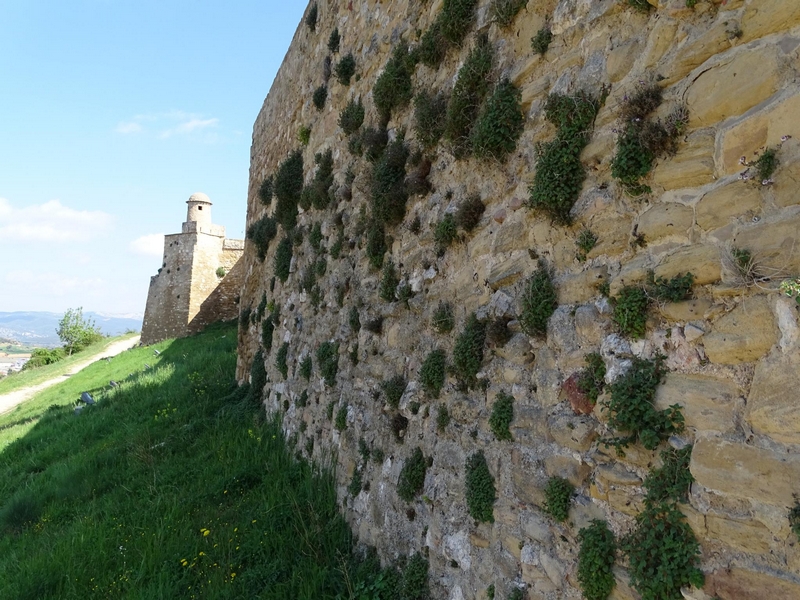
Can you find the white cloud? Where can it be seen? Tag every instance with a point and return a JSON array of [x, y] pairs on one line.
[[167, 124], [51, 284], [128, 127], [51, 222], [148, 245]]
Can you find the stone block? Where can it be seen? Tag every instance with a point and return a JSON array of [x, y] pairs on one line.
[[709, 404], [747, 536], [688, 310], [567, 467], [665, 220], [580, 287], [507, 272], [773, 244], [575, 433], [589, 326], [763, 128], [745, 334], [546, 377], [632, 272], [661, 39], [786, 191], [733, 86], [620, 59], [613, 232], [769, 16], [509, 236], [701, 260], [692, 166], [719, 206], [623, 590], [772, 407], [742, 471], [694, 53], [616, 474], [739, 584]]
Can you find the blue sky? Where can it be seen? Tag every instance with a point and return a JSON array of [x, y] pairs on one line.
[[112, 113]]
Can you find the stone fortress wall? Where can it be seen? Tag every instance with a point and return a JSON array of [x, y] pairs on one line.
[[731, 349], [187, 294]]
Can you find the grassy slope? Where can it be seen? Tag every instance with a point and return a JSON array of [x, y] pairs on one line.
[[36, 376], [169, 489]]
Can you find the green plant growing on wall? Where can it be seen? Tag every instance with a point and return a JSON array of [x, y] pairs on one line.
[[502, 415], [432, 372], [412, 475], [356, 483], [265, 191], [516, 594], [268, 327], [345, 69], [333, 41], [503, 12], [338, 245], [538, 302], [558, 494], [283, 259], [329, 409], [415, 579], [304, 135], [472, 85], [389, 281], [318, 191], [591, 380], [374, 141], [630, 311], [662, 553], [351, 117], [280, 359], [499, 124], [429, 113], [469, 213], [585, 242], [631, 410], [392, 89], [302, 400], [443, 319], [766, 164], [676, 289], [596, 560], [311, 18], [468, 352], [319, 97], [305, 367], [442, 418], [456, 19], [541, 41], [393, 390], [559, 171], [640, 5], [328, 361], [376, 243], [445, 233], [287, 187], [341, 418], [670, 482], [315, 237], [480, 489], [794, 519], [388, 190], [221, 272], [432, 46], [354, 320], [261, 233]]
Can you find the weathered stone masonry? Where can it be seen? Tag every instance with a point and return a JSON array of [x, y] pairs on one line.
[[732, 350], [187, 294]]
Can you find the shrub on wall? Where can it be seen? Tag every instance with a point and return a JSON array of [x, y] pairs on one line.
[[351, 117], [445, 233], [502, 415], [480, 491], [389, 282], [392, 89], [591, 380], [429, 113], [388, 190], [393, 390], [541, 41], [345, 69], [472, 85], [287, 187], [630, 311], [456, 19], [311, 17], [319, 189], [558, 494], [376, 243], [596, 560], [319, 97], [328, 361], [559, 171], [412, 475], [265, 191], [432, 46], [503, 12], [500, 123], [468, 352], [432, 372], [261, 233], [280, 359], [538, 303], [443, 320], [469, 213], [333, 40], [283, 259]]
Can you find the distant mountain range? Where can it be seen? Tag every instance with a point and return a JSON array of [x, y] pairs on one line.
[[39, 328]]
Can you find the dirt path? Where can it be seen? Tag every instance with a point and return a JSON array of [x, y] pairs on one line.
[[11, 399]]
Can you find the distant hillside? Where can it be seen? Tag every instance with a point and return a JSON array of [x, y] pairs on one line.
[[39, 328]]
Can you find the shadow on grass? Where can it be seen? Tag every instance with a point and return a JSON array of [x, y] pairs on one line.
[[175, 485]]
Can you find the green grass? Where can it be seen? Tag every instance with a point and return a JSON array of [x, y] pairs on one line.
[[41, 374], [170, 487]]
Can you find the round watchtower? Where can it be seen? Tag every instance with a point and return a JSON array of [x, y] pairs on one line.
[[199, 210]]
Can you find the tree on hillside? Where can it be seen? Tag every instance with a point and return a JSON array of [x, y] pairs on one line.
[[76, 332]]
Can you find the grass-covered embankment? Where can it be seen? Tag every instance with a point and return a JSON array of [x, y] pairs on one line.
[[175, 486]]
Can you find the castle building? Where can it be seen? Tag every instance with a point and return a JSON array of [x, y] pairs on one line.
[[199, 280]]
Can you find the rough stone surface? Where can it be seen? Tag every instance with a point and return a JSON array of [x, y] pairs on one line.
[[666, 220], [745, 334], [772, 407], [731, 201], [709, 404], [738, 584], [702, 261]]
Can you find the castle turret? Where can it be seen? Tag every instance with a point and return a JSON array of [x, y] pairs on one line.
[[198, 216]]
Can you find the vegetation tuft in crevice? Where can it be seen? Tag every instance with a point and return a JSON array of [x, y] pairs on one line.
[[480, 488]]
